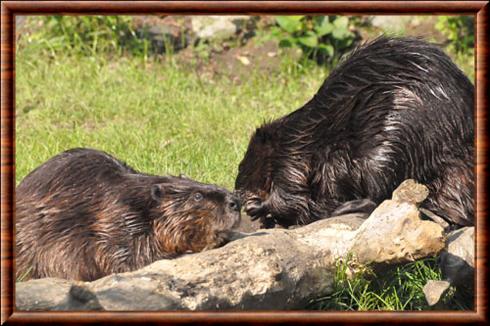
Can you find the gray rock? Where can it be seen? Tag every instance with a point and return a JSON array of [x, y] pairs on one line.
[[42, 294], [457, 261], [217, 27], [269, 269], [434, 291]]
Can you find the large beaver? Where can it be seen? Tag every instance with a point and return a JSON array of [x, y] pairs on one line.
[[83, 214], [396, 108]]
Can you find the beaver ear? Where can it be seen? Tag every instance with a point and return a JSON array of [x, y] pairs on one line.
[[157, 192]]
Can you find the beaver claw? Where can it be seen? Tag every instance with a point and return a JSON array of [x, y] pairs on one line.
[[256, 210]]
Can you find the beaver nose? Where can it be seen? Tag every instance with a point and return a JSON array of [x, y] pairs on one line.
[[234, 203]]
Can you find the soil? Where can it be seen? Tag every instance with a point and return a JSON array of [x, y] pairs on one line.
[[236, 63]]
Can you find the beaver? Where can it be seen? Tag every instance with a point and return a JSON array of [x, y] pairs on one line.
[[394, 109], [84, 214]]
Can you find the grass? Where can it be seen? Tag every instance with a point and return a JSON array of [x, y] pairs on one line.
[[396, 288], [157, 116]]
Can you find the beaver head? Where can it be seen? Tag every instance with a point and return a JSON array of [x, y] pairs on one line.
[[254, 181], [189, 216]]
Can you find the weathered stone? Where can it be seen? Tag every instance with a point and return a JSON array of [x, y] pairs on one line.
[[410, 191], [54, 294], [434, 291], [394, 233], [42, 294], [457, 261], [461, 243], [217, 27]]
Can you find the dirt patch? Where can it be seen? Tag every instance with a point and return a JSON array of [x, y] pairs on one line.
[[236, 63]]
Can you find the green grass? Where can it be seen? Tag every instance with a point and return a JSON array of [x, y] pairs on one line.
[[157, 116], [391, 288]]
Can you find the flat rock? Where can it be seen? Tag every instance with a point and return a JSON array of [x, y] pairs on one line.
[[434, 290]]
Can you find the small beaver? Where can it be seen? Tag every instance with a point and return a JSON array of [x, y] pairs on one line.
[[84, 214], [395, 109]]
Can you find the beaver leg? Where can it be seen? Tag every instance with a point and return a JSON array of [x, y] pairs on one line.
[[453, 201], [365, 206]]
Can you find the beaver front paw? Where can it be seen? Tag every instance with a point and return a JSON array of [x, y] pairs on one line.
[[256, 208]]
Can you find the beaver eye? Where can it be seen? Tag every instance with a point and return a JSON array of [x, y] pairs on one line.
[[198, 196]]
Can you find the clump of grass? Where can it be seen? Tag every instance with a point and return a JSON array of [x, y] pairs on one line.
[[395, 288], [84, 35]]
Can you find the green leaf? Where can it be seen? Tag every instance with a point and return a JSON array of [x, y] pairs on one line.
[[327, 48], [324, 28], [286, 42], [320, 19], [289, 23], [340, 33], [341, 22], [309, 40]]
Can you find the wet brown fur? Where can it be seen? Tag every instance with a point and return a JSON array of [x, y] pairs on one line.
[[83, 215], [394, 109]]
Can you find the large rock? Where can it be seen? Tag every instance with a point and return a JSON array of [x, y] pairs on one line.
[[269, 269], [218, 27], [458, 259], [394, 232]]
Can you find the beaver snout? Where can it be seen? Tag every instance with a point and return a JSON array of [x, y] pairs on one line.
[[234, 203]]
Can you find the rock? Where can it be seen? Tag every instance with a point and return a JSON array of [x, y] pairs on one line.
[[394, 232], [170, 33], [410, 191], [80, 298], [457, 261], [434, 291], [42, 294], [217, 27], [394, 24]]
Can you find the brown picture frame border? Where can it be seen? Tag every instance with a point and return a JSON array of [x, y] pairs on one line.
[[9, 9]]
